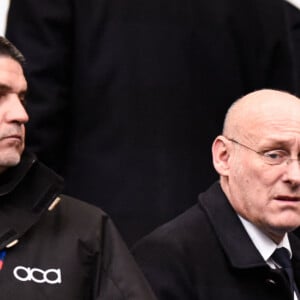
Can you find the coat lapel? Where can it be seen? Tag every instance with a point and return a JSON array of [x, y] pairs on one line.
[[233, 238]]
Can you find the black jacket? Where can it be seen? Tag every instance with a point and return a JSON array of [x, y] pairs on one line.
[[133, 92], [70, 252], [206, 254]]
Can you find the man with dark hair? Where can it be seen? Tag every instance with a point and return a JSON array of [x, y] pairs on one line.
[[9, 50], [51, 246], [236, 243]]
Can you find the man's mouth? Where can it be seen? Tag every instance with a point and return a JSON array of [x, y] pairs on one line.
[[12, 138], [287, 198]]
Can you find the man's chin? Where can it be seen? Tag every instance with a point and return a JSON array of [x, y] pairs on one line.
[[8, 161]]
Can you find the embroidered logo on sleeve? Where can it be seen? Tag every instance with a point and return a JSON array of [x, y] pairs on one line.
[[50, 276]]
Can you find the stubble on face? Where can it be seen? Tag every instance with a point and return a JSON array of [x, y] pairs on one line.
[[12, 113], [11, 154]]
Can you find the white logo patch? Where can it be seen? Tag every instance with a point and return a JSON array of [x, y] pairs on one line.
[[50, 276]]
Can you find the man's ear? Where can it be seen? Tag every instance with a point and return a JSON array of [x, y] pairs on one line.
[[221, 154]]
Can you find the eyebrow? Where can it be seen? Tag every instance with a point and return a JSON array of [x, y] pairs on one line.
[[277, 144], [5, 88]]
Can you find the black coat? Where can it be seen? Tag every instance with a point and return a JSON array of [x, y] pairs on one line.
[[293, 14], [206, 254], [72, 252], [125, 97]]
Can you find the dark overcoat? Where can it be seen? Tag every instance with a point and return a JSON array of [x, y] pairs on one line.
[[206, 254]]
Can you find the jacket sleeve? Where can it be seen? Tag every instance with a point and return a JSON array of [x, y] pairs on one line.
[[163, 263], [43, 34], [118, 276]]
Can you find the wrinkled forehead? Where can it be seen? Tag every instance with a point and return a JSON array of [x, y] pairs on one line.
[[280, 119]]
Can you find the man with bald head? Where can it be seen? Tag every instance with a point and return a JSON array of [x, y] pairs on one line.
[[223, 247]]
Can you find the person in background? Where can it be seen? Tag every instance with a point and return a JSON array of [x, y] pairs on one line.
[[127, 96], [237, 242], [293, 17], [52, 246], [4, 4]]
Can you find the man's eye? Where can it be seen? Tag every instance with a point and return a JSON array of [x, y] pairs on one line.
[[23, 100], [276, 155]]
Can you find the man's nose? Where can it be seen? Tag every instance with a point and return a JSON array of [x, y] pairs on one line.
[[292, 173], [15, 110]]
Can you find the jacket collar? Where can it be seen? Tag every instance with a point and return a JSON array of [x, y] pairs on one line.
[[234, 239], [13, 176], [229, 230], [295, 245], [26, 191]]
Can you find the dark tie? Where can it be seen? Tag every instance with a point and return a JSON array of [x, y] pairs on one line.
[[282, 258]]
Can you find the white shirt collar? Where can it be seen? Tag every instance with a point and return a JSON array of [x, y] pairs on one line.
[[262, 242]]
